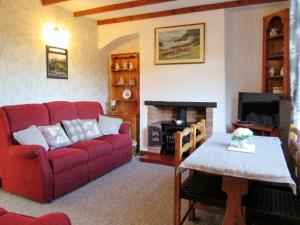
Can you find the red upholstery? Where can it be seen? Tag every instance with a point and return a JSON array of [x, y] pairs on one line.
[[94, 149], [27, 174], [52, 219], [100, 166], [88, 110], [69, 180], [66, 158], [61, 110], [5, 140], [122, 156], [23, 116], [4, 131], [125, 128], [8, 218], [30, 171], [117, 140]]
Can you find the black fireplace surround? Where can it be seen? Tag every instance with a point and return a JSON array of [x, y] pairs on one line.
[[162, 133]]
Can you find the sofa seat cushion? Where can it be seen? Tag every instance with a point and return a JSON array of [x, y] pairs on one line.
[[94, 149], [62, 159], [118, 141]]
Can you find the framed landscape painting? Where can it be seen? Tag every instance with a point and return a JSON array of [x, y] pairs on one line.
[[180, 44], [57, 62]]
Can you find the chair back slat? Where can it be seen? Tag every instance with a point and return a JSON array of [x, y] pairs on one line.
[[294, 148], [199, 133], [183, 143]]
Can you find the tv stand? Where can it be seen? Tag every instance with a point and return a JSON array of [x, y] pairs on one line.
[[258, 129], [243, 122]]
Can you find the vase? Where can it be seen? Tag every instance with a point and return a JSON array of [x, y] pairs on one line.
[[243, 144], [240, 143]]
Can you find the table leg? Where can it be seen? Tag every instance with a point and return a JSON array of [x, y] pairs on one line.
[[235, 188]]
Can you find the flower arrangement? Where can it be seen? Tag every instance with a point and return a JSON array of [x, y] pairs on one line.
[[241, 137]]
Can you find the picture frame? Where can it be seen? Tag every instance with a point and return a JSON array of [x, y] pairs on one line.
[[57, 62], [180, 44]]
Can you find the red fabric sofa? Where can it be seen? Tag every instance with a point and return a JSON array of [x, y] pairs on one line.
[[30, 171], [8, 218]]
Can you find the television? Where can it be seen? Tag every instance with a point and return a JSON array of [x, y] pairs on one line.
[[259, 108]]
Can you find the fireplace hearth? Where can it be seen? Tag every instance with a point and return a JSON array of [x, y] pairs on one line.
[[162, 126]]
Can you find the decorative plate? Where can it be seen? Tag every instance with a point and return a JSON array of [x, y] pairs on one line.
[[126, 94]]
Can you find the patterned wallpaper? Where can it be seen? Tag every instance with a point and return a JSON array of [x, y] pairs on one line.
[[23, 77]]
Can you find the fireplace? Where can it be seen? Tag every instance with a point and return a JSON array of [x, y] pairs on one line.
[[162, 126]]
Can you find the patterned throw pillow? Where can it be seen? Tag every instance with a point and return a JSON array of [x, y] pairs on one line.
[[55, 136], [74, 129], [31, 136], [91, 129], [109, 125]]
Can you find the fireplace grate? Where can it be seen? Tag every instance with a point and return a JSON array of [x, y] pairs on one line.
[[154, 136]]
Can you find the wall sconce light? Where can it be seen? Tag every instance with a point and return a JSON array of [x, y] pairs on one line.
[[55, 35]]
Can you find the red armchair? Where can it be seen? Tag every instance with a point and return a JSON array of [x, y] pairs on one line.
[[9, 218]]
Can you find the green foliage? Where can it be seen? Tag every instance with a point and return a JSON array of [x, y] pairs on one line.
[[57, 66], [194, 35]]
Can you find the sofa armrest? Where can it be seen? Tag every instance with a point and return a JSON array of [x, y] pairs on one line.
[[27, 172], [25, 151], [2, 211], [125, 128], [52, 219]]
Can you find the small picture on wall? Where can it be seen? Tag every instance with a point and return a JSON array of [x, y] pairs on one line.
[[180, 44], [57, 62]]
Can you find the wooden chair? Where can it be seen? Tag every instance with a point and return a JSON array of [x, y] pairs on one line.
[[272, 205], [197, 187], [199, 133]]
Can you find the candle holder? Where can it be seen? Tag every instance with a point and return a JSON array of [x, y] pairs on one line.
[[113, 104]]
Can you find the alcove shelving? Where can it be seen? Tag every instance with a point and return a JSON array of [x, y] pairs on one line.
[[124, 87], [276, 73]]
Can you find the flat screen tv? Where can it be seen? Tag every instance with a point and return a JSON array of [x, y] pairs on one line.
[[259, 108]]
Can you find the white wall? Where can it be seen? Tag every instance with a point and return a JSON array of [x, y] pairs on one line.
[[23, 56], [185, 82], [131, 45], [243, 34]]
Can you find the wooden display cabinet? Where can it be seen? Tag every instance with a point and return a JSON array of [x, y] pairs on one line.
[[129, 119], [276, 71], [125, 90]]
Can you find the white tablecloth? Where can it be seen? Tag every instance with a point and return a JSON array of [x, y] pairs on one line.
[[266, 164]]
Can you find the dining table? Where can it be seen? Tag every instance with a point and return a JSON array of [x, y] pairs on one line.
[[238, 169]]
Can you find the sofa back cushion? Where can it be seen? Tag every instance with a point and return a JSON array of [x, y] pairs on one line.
[[61, 110], [22, 116], [5, 134], [88, 110]]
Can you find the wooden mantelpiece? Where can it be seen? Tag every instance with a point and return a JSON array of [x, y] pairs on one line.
[[182, 104]]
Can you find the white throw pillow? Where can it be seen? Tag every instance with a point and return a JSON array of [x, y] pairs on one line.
[[31, 136], [91, 129], [55, 136], [109, 125], [74, 129]]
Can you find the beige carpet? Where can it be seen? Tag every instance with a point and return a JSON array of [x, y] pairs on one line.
[[134, 194]]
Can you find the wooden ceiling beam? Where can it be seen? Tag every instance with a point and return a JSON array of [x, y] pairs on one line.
[[172, 12], [119, 6], [50, 2]]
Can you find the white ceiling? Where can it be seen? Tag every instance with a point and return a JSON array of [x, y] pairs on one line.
[[77, 5]]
